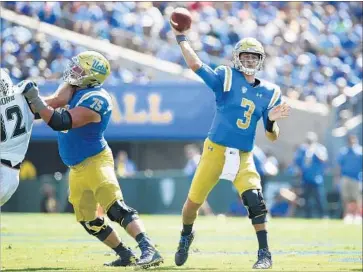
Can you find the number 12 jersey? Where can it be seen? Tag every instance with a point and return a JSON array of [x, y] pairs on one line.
[[16, 123]]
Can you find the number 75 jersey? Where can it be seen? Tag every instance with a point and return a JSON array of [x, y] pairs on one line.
[[16, 123], [239, 106], [78, 144]]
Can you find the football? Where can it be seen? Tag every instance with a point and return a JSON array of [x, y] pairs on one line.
[[181, 19]]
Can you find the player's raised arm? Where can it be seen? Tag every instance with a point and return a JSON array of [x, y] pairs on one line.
[[60, 120], [180, 22], [276, 110], [87, 70], [190, 57], [91, 108]]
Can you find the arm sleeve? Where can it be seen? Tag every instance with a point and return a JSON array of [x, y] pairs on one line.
[[274, 101], [219, 80], [272, 130], [36, 115], [98, 102]]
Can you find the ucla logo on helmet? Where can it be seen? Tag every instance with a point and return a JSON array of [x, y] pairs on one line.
[[97, 66]]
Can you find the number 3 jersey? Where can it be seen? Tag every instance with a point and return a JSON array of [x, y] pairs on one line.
[[16, 120], [240, 106], [77, 144]]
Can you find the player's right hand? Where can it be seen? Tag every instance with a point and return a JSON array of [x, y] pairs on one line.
[[176, 32], [30, 89]]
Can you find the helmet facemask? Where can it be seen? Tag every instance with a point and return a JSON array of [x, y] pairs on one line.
[[75, 75], [250, 62], [247, 62], [87, 70], [248, 56]]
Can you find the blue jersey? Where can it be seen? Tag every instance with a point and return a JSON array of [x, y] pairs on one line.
[[350, 160], [311, 167], [77, 144], [239, 106]]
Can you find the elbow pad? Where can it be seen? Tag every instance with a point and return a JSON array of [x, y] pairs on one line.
[[60, 121]]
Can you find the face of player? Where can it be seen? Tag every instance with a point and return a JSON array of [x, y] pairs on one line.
[[249, 60], [73, 73], [78, 70]]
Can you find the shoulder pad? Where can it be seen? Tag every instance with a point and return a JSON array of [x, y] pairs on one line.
[[226, 73], [275, 97], [98, 100]]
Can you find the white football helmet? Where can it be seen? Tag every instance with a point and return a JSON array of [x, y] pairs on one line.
[[6, 85]]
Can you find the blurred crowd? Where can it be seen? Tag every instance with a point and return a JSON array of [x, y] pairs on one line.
[[27, 53], [313, 49], [310, 192]]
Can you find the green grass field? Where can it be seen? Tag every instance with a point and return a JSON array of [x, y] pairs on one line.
[[42, 242]]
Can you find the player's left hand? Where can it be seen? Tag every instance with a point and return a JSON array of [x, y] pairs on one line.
[[30, 89], [279, 112]]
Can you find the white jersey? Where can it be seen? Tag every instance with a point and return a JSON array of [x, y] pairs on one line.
[[16, 127]]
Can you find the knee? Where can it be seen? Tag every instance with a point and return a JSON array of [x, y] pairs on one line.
[[121, 213], [97, 228], [255, 204]]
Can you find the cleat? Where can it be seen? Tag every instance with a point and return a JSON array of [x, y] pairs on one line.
[[126, 258], [264, 260], [149, 255], [181, 255]]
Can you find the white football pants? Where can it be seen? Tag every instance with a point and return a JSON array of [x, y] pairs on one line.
[[9, 181]]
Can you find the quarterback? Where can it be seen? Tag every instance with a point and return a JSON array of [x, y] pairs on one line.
[[241, 101], [83, 148]]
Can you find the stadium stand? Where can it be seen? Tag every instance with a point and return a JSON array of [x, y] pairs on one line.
[[316, 42]]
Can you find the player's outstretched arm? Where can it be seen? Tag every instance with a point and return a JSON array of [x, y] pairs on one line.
[[58, 121], [61, 97]]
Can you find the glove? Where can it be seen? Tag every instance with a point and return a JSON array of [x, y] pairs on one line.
[[31, 91]]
